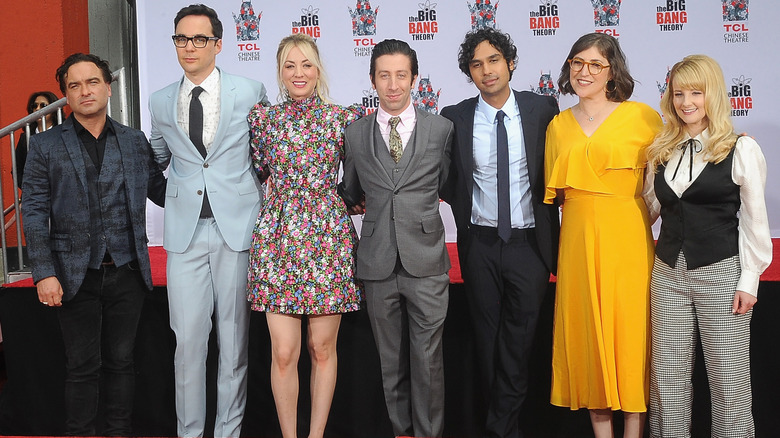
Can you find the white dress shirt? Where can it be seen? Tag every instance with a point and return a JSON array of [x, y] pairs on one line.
[[484, 210], [748, 171], [210, 101]]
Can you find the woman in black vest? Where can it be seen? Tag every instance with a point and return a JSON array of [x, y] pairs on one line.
[[713, 246]]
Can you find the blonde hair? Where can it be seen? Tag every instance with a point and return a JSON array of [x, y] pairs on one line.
[[308, 47], [702, 73]]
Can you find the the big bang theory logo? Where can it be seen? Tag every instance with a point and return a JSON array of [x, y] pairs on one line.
[[483, 14], [309, 22], [741, 96], [735, 18], [671, 16], [247, 30], [662, 87], [546, 86], [423, 26], [544, 20], [425, 98], [606, 16], [363, 25], [370, 101]]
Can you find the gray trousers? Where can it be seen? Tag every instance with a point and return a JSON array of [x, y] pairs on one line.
[[684, 305], [407, 317]]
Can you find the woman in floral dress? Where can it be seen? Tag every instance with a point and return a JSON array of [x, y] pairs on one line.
[[302, 258]]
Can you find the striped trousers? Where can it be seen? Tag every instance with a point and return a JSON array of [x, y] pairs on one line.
[[685, 305]]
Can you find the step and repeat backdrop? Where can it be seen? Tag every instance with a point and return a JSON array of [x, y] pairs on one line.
[[741, 34]]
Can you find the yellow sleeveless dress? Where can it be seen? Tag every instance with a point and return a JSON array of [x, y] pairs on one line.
[[601, 333]]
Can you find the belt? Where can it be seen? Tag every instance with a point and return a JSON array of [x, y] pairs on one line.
[[107, 260], [517, 233]]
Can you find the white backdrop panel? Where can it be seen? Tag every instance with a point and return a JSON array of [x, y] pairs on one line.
[[742, 44]]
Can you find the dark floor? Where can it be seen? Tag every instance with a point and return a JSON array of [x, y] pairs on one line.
[[3, 376]]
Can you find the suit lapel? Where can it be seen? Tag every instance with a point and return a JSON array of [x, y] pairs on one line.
[[530, 134], [128, 160], [173, 113], [465, 135], [420, 135], [369, 132], [226, 102], [69, 137]]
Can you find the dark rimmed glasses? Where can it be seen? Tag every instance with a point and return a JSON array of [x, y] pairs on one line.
[[594, 68], [198, 41]]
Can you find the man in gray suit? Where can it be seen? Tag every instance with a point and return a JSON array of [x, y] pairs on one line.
[[84, 199], [398, 158], [199, 126]]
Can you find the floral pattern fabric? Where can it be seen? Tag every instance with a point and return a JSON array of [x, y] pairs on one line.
[[302, 257]]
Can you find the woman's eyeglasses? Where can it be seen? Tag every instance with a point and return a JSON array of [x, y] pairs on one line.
[[594, 68]]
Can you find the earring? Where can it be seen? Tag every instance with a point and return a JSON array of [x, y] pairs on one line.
[[614, 87]]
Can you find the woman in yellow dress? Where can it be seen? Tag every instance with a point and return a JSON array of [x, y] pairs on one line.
[[594, 166]]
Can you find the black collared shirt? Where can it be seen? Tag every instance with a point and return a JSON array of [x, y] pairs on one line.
[[96, 147]]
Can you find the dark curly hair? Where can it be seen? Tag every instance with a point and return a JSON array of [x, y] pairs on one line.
[[200, 9], [501, 41], [621, 85], [62, 71], [51, 97], [393, 47]]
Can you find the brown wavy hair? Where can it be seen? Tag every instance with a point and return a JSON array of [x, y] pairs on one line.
[[620, 86]]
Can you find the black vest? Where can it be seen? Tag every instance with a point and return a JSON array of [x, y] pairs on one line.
[[109, 221], [703, 221]]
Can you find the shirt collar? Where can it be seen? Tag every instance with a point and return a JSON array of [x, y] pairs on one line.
[[509, 108], [209, 85], [80, 129], [407, 116], [702, 138]]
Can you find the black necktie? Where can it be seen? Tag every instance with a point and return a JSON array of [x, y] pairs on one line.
[[196, 121], [502, 170], [196, 135], [693, 147]]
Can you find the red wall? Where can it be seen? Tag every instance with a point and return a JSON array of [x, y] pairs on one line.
[[35, 37]]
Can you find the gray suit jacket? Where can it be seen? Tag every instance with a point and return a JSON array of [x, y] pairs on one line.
[[55, 201], [401, 220]]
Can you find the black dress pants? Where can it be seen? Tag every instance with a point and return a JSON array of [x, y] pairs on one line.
[[505, 284], [98, 329]]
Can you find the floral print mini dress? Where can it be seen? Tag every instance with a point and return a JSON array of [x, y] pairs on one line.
[[302, 256]]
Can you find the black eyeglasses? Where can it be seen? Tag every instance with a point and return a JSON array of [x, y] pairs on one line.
[[198, 41], [39, 105]]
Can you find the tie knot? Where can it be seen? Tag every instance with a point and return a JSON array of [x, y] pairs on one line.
[[196, 92], [394, 121], [500, 116], [691, 144]]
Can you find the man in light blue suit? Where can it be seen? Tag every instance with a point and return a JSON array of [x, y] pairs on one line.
[[199, 127]]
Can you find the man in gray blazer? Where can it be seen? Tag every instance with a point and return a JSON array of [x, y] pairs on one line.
[[84, 200], [398, 157], [199, 126]]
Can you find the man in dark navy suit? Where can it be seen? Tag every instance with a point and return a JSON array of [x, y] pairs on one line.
[[84, 201], [507, 237]]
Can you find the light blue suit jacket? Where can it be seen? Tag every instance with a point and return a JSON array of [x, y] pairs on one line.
[[226, 173]]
